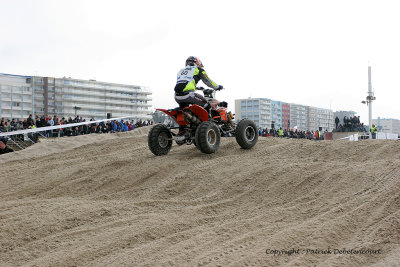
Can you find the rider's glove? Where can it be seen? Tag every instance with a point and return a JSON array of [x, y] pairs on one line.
[[220, 87]]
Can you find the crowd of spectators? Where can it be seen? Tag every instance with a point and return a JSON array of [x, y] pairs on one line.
[[351, 124], [291, 133], [44, 121]]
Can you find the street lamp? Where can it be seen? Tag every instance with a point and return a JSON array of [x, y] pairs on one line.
[[76, 108], [370, 97]]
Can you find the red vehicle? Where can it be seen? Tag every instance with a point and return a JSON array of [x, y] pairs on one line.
[[202, 128]]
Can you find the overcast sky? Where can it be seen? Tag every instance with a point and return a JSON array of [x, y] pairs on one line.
[[313, 53]]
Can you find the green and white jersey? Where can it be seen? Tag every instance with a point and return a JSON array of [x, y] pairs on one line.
[[188, 77], [186, 74]]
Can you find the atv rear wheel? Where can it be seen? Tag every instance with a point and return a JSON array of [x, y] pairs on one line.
[[246, 133], [160, 140], [207, 137]]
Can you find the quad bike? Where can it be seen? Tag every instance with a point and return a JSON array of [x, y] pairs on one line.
[[202, 128]]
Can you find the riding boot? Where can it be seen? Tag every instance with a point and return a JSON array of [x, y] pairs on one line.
[[207, 107], [181, 130]]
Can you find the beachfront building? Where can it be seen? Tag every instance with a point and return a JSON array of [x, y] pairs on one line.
[[67, 97], [267, 113], [285, 115], [16, 97], [276, 114], [255, 109], [319, 118], [387, 125], [298, 117], [312, 117], [326, 121]]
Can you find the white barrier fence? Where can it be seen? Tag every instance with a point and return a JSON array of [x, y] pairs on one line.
[[43, 129], [387, 136], [390, 136]]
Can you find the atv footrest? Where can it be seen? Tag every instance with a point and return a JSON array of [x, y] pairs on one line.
[[179, 138]]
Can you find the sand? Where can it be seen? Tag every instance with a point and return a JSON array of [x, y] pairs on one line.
[[106, 200]]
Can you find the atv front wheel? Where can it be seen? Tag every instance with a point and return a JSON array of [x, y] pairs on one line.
[[160, 140], [207, 137], [246, 133]]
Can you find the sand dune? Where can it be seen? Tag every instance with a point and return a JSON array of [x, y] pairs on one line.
[[105, 200]]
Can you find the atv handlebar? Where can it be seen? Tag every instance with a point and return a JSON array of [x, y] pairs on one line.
[[202, 89]]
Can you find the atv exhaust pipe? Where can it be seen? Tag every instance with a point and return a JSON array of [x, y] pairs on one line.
[[191, 118]]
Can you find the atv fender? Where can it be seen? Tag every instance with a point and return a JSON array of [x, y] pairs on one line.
[[176, 115], [199, 111]]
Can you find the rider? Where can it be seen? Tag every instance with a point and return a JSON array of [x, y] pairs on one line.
[[187, 79]]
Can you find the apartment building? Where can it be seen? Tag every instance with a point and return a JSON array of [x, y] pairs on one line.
[[255, 109], [267, 113], [16, 97], [298, 117], [387, 125], [319, 118], [285, 116], [276, 114], [67, 97]]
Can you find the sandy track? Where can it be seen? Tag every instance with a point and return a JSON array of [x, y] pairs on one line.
[[106, 200]]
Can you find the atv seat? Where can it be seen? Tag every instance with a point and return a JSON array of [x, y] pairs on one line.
[[174, 109]]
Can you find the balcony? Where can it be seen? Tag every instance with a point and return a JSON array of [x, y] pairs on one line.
[[87, 85]]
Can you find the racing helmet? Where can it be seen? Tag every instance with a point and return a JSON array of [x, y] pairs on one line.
[[194, 61]]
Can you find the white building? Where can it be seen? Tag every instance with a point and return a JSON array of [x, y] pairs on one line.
[[255, 109], [320, 118], [66, 97], [299, 117], [16, 97], [387, 125]]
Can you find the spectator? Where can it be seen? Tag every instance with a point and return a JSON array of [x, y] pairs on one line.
[[37, 121], [115, 126], [317, 135], [43, 122], [30, 120], [50, 122], [13, 125], [6, 126], [19, 126], [121, 126], [1, 125], [374, 130], [337, 121], [132, 125], [25, 124], [3, 146], [280, 132]]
